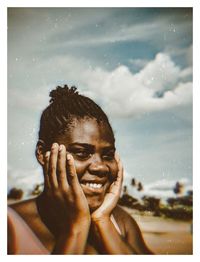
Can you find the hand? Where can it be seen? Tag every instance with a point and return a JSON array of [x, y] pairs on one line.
[[112, 196], [64, 201]]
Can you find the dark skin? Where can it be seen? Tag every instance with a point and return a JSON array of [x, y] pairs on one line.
[[83, 180]]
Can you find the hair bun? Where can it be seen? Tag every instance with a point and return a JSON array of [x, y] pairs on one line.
[[62, 93]]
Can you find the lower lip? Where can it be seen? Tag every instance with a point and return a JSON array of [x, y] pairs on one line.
[[88, 189]]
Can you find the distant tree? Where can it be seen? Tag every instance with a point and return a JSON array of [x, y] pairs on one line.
[[37, 190], [178, 189], [190, 193], [15, 193], [133, 182], [125, 189], [151, 203], [140, 186]]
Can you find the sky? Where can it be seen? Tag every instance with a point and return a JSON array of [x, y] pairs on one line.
[[134, 62]]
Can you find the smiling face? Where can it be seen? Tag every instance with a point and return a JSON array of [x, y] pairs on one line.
[[92, 146]]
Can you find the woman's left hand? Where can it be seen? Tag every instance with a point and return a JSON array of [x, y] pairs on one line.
[[112, 196]]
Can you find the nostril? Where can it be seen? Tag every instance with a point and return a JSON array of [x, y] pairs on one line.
[[98, 169]]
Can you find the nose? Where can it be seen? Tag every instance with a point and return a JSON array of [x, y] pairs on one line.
[[97, 167]]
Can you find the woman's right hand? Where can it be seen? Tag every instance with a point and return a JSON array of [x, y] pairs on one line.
[[62, 191]]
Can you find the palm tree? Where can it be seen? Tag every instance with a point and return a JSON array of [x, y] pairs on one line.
[[178, 189], [140, 186], [133, 182]]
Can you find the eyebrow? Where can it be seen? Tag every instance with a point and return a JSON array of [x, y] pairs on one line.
[[89, 146], [81, 144]]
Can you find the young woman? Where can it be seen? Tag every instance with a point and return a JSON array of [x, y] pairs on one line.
[[77, 213]]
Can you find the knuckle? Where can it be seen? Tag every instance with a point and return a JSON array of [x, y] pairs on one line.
[[61, 178], [64, 189], [56, 193], [48, 193], [60, 169], [46, 157], [52, 169]]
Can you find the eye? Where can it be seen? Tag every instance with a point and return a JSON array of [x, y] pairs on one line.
[[110, 155], [81, 154]]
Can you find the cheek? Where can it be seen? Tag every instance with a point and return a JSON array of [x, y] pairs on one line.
[[80, 168], [113, 170]]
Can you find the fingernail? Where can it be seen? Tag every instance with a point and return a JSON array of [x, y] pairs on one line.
[[47, 154], [68, 156], [54, 145], [60, 148]]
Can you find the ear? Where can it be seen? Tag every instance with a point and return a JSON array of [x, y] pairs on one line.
[[40, 151]]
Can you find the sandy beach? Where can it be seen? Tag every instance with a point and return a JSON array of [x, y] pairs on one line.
[[164, 235]]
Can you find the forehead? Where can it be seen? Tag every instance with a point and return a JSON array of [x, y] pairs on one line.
[[89, 131]]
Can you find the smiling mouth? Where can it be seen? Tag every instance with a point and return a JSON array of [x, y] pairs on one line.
[[92, 189], [93, 185]]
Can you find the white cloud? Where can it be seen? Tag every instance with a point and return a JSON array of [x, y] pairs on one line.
[[183, 52], [137, 32], [159, 74], [159, 85], [120, 32], [187, 72]]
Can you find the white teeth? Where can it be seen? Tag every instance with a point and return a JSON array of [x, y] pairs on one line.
[[93, 185]]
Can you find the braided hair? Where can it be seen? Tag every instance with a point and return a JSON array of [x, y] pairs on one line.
[[66, 104]]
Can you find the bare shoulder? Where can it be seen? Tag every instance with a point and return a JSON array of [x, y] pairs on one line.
[[28, 211], [131, 231], [121, 213], [125, 220]]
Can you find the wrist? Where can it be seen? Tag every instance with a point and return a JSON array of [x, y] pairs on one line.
[[97, 218], [83, 218], [82, 223], [74, 230], [75, 226]]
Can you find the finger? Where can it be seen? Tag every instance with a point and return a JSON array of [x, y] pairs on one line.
[[117, 158], [120, 167], [119, 179], [52, 166], [116, 186], [45, 169], [71, 172], [120, 172], [61, 166]]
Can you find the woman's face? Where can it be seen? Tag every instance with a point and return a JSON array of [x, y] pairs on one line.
[[92, 147]]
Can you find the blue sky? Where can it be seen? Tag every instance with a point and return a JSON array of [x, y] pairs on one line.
[[135, 62]]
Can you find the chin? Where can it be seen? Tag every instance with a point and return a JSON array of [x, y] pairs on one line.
[[94, 203]]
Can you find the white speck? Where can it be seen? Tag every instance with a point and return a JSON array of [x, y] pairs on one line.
[[172, 28]]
